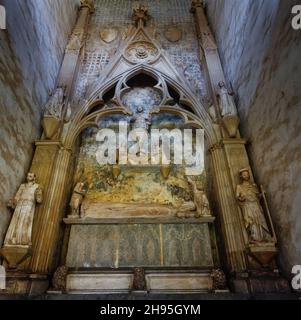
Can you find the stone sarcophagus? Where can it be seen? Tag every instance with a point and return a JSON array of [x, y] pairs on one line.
[[169, 252]]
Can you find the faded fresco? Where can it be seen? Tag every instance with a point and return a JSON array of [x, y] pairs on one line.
[[132, 190]]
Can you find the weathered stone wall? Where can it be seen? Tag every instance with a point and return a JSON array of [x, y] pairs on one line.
[[261, 57], [31, 52]]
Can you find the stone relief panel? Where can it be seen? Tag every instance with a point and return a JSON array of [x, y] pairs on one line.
[[145, 245], [171, 24], [139, 185]]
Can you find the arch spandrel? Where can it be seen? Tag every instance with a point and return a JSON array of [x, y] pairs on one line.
[[149, 58]]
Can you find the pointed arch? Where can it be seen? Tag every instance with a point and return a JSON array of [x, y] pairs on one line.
[[141, 54]]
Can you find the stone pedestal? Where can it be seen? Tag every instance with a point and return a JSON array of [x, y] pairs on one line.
[[15, 255]]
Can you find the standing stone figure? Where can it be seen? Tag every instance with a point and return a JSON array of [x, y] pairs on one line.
[[141, 119], [77, 198], [20, 228], [227, 104], [200, 198], [55, 104], [248, 195]]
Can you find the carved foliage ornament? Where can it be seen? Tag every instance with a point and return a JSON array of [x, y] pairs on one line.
[[142, 51], [59, 278], [140, 14], [87, 3]]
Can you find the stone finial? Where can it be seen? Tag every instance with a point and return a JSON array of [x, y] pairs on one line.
[[196, 4], [140, 14], [88, 4]]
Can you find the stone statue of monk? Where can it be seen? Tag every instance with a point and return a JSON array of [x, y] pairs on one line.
[[24, 203], [248, 195]]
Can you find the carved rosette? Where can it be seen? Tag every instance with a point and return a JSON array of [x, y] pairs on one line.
[[142, 51]]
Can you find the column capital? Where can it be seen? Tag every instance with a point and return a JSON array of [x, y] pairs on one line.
[[216, 146], [88, 4]]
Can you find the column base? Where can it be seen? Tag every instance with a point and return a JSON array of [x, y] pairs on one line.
[[257, 282], [22, 283]]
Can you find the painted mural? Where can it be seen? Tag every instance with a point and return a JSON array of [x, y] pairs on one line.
[[143, 188]]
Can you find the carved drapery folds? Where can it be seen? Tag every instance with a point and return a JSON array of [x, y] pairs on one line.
[[228, 110], [257, 221], [18, 239]]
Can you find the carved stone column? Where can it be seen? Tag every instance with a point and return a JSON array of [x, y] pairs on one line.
[[229, 156], [73, 49], [230, 220], [47, 224], [229, 212], [47, 229], [212, 62], [208, 46]]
